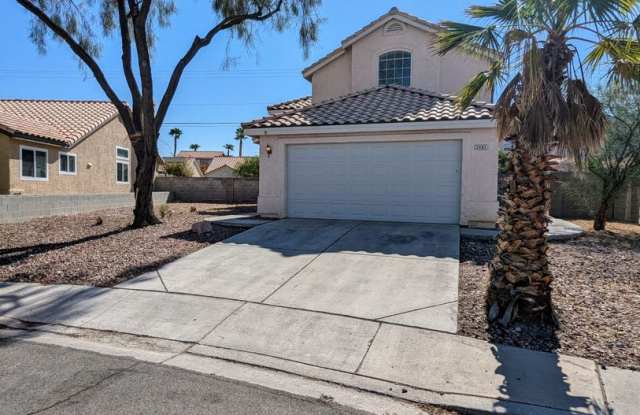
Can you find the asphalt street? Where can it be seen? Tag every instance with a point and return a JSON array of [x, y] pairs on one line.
[[44, 379]]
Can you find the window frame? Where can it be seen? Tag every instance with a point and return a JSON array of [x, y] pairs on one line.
[[122, 160], [410, 58], [46, 161], [75, 164]]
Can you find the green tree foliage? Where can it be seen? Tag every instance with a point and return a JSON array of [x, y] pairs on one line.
[[618, 161], [194, 147], [135, 24], [229, 148], [250, 167], [177, 168]]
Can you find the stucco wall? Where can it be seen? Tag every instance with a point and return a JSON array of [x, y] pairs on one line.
[[333, 80], [97, 150], [478, 199], [444, 74]]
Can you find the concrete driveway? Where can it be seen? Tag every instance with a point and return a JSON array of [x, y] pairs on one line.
[[405, 273]]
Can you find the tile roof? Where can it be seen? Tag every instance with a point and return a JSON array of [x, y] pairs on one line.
[[294, 104], [200, 154], [218, 162], [384, 104], [394, 12], [58, 121]]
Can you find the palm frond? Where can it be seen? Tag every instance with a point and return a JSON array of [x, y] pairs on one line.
[[504, 11], [483, 80], [505, 110], [476, 40], [621, 56], [583, 129]]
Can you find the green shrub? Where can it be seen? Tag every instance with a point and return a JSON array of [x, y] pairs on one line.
[[250, 167], [177, 168]]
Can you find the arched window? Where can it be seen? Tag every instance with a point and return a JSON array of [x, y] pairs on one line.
[[394, 68]]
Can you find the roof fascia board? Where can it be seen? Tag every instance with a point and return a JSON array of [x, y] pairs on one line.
[[371, 128]]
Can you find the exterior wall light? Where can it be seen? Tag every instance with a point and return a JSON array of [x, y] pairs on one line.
[[268, 149]]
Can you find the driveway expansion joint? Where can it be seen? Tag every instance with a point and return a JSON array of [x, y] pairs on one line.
[[416, 309], [368, 348], [309, 263]]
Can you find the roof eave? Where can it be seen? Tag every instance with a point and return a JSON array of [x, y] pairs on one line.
[[470, 124]]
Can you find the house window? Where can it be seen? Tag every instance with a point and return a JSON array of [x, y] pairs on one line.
[[394, 68], [33, 163], [68, 163], [122, 165]]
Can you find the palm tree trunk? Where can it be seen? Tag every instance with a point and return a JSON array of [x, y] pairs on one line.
[[240, 149], [520, 276], [175, 146]]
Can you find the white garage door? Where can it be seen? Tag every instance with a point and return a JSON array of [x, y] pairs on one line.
[[390, 181]]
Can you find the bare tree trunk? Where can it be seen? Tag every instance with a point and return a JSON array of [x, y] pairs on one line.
[[520, 275], [143, 212], [600, 220]]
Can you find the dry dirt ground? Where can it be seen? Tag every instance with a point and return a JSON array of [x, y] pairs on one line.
[[596, 295], [77, 250]]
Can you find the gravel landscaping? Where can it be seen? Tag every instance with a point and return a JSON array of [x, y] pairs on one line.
[[596, 295], [77, 250]]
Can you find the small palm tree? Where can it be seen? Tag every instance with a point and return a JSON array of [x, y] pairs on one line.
[[545, 108], [175, 133], [240, 137], [229, 148], [194, 147]]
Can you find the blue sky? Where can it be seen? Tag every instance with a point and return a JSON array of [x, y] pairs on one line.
[[268, 72]]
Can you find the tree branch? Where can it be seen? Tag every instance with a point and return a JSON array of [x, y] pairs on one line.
[[126, 63], [122, 108], [199, 43]]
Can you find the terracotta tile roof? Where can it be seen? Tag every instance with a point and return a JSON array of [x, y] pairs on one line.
[[394, 12], [218, 162], [62, 122], [384, 104], [294, 104], [200, 154]]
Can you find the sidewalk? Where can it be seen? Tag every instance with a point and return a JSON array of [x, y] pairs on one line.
[[212, 335]]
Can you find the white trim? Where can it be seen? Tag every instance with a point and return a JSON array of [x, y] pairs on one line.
[[34, 149], [123, 160], [370, 128], [75, 164]]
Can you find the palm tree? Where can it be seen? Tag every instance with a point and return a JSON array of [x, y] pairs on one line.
[[175, 133], [229, 148], [240, 137], [194, 147], [545, 110]]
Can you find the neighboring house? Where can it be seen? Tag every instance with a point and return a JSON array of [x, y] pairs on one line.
[[203, 158], [380, 139], [63, 147], [224, 166], [191, 165]]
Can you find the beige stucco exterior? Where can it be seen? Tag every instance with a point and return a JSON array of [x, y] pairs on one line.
[[95, 164], [224, 171], [479, 170], [356, 67]]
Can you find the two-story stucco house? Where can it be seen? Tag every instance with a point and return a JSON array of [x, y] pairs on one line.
[[63, 147], [381, 138]]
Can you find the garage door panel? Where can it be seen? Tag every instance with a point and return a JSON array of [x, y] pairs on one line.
[[391, 181]]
